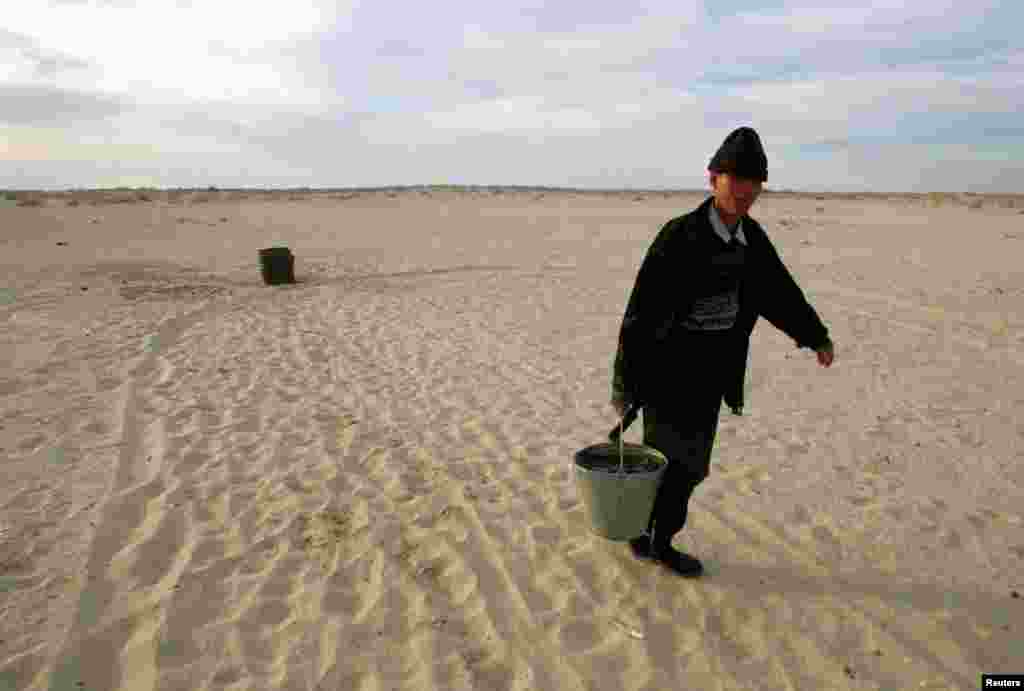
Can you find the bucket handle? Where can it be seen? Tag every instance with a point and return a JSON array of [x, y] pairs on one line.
[[619, 429]]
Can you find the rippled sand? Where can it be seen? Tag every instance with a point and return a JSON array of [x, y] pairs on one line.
[[362, 481]]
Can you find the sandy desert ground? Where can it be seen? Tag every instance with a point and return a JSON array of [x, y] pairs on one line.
[[363, 480]]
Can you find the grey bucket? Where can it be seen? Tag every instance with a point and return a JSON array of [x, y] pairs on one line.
[[619, 483]]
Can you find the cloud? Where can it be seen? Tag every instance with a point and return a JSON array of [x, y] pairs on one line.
[[834, 97], [23, 57], [38, 104], [163, 49], [847, 37], [320, 93], [511, 115]]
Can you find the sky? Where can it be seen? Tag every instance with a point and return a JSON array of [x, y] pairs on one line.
[[868, 95]]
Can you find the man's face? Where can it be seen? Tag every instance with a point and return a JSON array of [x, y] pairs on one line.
[[735, 195]]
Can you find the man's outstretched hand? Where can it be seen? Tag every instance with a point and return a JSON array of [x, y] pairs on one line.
[[826, 354]]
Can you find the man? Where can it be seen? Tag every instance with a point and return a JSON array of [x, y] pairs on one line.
[[705, 280]]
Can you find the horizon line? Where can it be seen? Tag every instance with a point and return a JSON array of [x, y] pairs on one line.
[[485, 187]]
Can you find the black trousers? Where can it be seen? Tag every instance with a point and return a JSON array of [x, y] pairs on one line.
[[683, 428]]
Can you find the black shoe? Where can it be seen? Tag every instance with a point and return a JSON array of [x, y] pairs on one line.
[[680, 562], [641, 547]]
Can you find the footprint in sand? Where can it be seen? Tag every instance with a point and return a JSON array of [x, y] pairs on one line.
[[952, 539], [800, 515], [829, 544], [95, 426], [896, 511], [846, 476], [31, 442], [936, 511]]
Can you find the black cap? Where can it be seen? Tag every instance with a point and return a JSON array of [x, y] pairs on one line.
[[741, 154]]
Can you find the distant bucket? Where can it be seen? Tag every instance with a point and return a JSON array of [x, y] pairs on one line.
[[277, 264]]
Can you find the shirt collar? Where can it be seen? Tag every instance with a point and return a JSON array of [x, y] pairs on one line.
[[722, 230]]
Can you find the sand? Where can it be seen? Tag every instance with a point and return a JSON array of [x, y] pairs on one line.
[[362, 480]]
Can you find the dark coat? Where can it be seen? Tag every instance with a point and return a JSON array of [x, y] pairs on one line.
[[651, 343]]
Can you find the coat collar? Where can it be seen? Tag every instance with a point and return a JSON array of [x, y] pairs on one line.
[[719, 225]]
